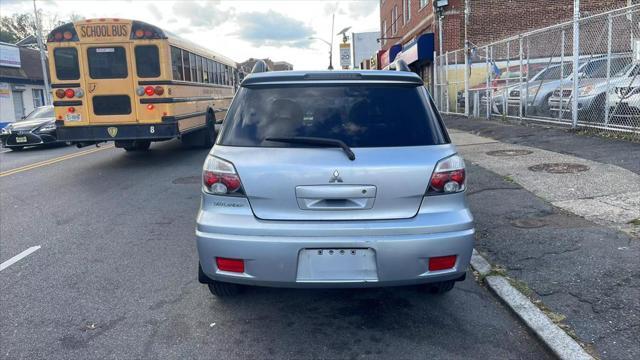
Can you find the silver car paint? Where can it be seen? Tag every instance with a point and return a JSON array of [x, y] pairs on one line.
[[269, 228]]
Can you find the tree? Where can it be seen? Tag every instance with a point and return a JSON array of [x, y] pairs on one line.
[[16, 27]]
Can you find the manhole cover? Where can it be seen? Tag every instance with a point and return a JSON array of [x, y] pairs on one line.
[[512, 152], [529, 223], [559, 168], [187, 180]]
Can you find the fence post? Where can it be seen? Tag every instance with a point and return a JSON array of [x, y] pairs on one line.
[[606, 93], [467, 68], [446, 81], [435, 81], [520, 82], [576, 63], [526, 84], [561, 112], [488, 83]]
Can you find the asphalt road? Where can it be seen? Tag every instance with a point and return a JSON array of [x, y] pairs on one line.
[[115, 277]]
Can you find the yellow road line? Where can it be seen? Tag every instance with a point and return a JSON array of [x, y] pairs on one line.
[[53, 161]]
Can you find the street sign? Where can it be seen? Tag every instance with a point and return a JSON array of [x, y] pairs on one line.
[[345, 55]]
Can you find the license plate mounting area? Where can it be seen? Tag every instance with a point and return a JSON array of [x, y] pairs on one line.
[[337, 265]]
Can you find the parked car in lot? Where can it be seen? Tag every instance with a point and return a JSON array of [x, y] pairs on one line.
[[333, 179], [592, 91], [624, 103], [37, 128]]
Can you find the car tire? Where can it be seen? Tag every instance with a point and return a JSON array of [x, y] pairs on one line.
[[210, 131], [223, 289], [17, 148], [440, 288], [138, 146]]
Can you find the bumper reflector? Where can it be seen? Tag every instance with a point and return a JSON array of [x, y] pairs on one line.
[[442, 262], [231, 265]]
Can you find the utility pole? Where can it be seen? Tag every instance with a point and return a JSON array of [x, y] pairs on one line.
[[333, 18], [576, 55], [43, 61]]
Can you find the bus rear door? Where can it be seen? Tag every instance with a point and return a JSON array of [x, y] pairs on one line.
[[109, 83]]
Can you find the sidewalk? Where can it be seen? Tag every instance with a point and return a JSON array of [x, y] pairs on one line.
[[556, 228]]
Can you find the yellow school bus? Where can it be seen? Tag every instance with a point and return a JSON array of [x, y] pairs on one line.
[[133, 83]]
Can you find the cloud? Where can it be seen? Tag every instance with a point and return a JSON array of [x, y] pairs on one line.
[[153, 9], [203, 15], [360, 9], [273, 29]]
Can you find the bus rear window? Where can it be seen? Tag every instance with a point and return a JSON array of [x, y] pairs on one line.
[[147, 61], [66, 60], [107, 62]]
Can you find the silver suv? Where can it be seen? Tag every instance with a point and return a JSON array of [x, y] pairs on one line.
[[333, 179]]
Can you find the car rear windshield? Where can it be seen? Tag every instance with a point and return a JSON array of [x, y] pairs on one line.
[[361, 115], [107, 62], [66, 60]]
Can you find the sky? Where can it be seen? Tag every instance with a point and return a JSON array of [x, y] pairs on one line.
[[239, 29]]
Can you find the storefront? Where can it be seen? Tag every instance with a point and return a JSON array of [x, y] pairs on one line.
[[418, 54], [386, 57], [21, 82]]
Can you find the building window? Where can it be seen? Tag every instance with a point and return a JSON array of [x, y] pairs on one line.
[[384, 32], [38, 97], [394, 18], [423, 3], [406, 11]]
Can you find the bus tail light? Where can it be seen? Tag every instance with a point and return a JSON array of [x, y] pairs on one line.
[[79, 93], [71, 109], [150, 107], [69, 93], [142, 30], [60, 93], [159, 90], [149, 90], [140, 90]]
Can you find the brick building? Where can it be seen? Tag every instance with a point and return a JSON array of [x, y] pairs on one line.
[[403, 22]]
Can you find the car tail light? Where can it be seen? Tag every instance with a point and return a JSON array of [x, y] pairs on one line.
[[149, 90], [60, 93], [448, 176], [219, 177], [69, 93], [158, 90], [231, 265], [442, 262]]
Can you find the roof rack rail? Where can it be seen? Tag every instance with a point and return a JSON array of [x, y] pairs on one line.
[[260, 66]]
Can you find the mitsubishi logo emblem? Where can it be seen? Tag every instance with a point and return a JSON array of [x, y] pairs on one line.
[[335, 177]]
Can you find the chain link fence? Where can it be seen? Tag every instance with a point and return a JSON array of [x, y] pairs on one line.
[[531, 76]]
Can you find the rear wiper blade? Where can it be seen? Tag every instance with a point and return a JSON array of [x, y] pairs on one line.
[[316, 141]]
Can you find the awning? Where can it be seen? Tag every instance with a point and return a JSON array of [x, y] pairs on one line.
[[388, 56], [419, 50]]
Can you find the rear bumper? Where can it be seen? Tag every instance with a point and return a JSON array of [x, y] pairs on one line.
[[158, 131], [271, 249]]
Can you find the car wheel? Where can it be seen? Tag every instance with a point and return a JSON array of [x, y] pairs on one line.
[[17, 148], [210, 134], [441, 287], [222, 289], [138, 146]]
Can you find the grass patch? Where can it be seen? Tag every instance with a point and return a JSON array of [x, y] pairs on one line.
[[635, 222], [521, 286]]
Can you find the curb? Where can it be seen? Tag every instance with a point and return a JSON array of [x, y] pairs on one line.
[[556, 340]]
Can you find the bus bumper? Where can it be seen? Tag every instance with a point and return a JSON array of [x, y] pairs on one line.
[[158, 131]]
